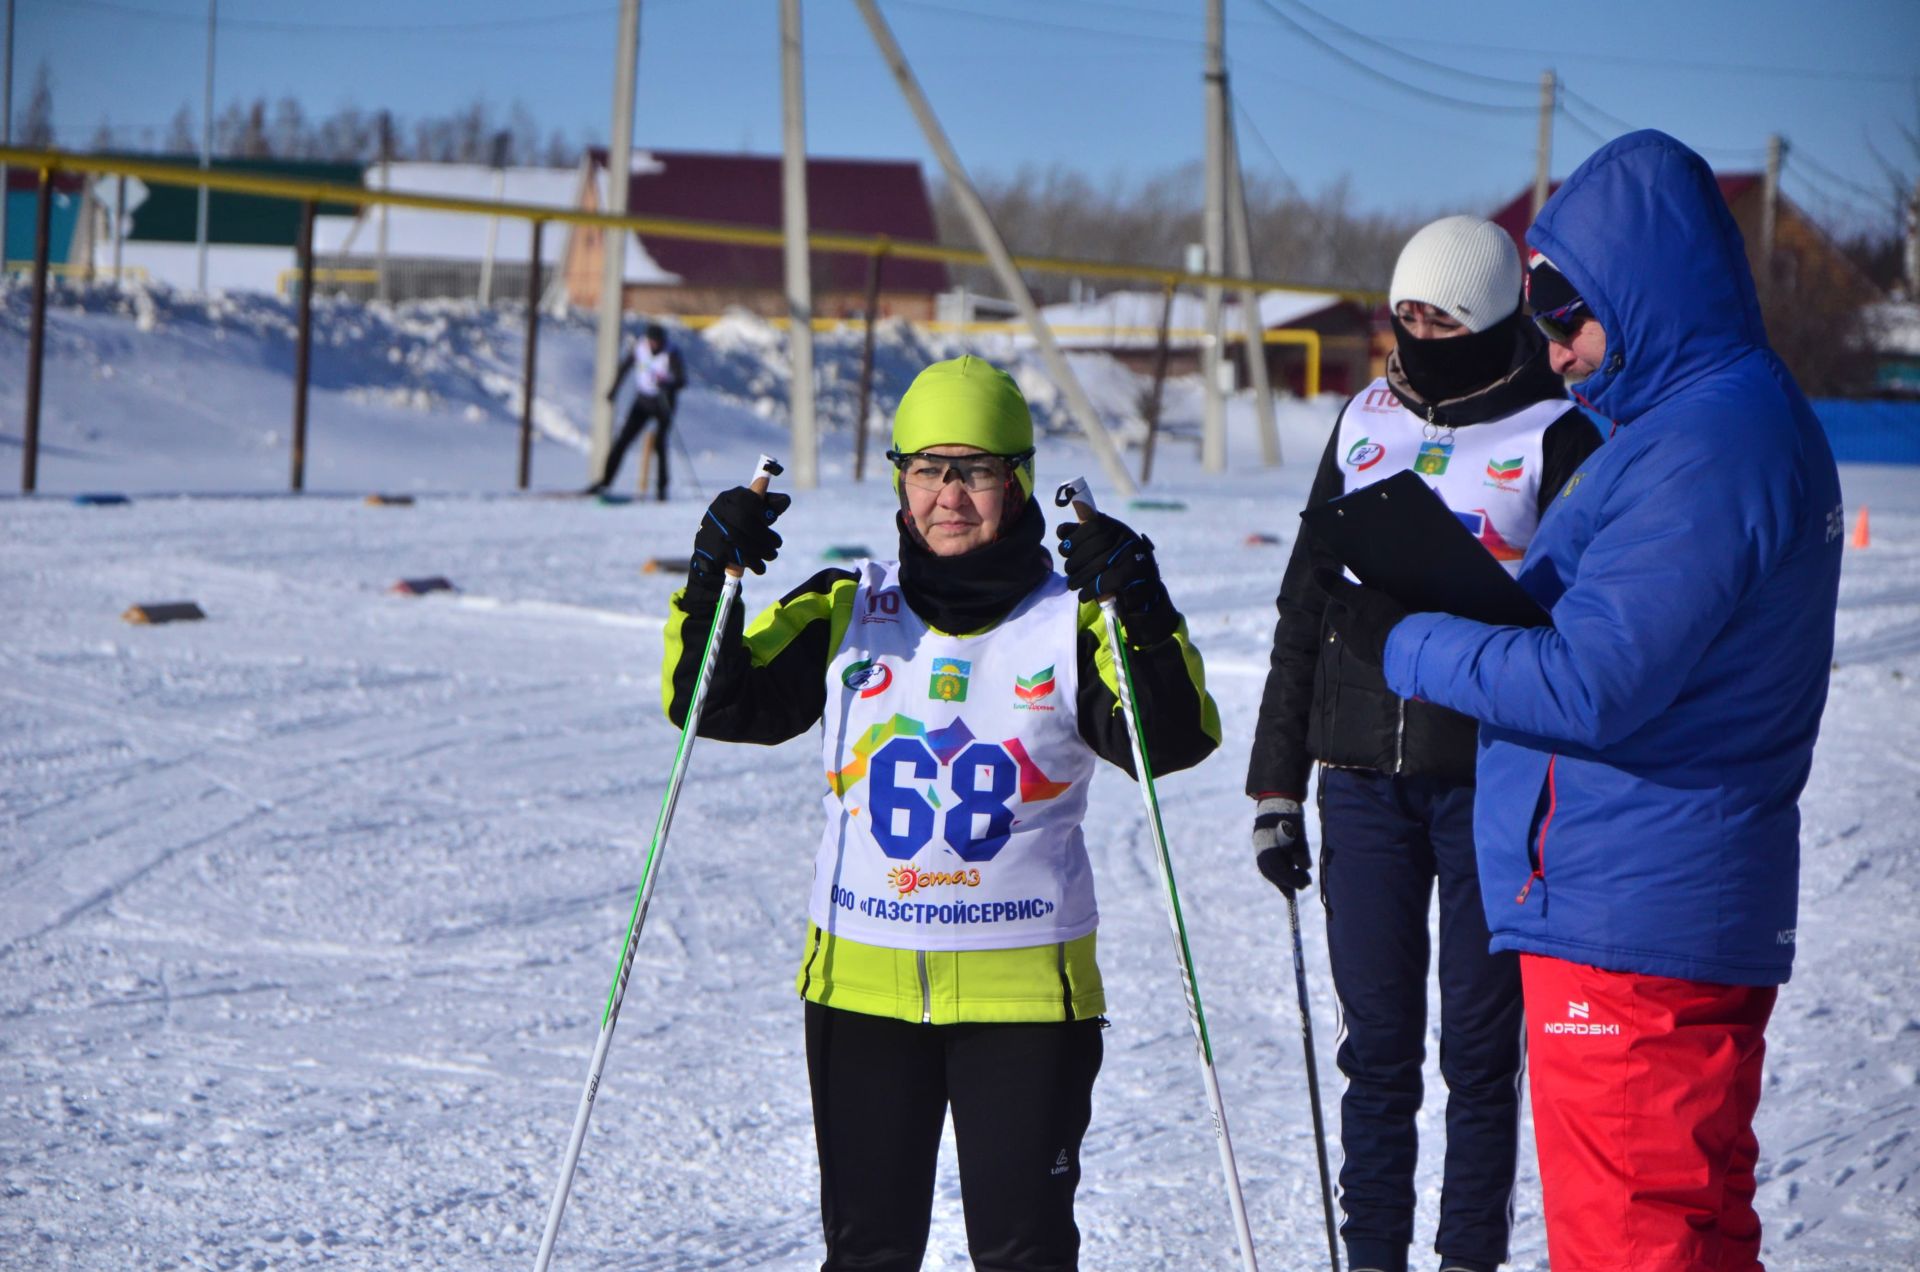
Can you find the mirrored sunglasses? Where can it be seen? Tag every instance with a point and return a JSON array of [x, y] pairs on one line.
[[978, 473], [1558, 325]]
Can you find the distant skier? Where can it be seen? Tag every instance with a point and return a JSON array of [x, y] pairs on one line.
[[965, 693], [659, 375]]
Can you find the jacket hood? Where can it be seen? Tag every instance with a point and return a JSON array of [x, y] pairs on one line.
[[1641, 230]]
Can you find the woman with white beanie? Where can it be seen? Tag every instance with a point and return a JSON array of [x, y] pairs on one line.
[[1468, 402]]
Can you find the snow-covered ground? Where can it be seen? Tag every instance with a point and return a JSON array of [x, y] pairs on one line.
[[308, 911]]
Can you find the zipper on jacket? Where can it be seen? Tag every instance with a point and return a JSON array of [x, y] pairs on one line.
[[926, 989], [1539, 874], [1400, 739]]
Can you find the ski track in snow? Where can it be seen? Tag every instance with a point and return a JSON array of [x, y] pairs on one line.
[[308, 911]]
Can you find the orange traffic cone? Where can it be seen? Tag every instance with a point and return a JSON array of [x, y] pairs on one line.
[[1860, 535]]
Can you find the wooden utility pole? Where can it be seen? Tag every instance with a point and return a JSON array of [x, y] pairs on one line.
[[1213, 425], [1770, 210], [1543, 152], [988, 236], [1256, 327], [613, 242], [804, 455]]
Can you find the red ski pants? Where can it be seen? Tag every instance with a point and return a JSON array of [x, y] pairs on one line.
[[1644, 1089]]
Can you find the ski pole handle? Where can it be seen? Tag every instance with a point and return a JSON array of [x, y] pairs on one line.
[[1076, 495], [764, 471]]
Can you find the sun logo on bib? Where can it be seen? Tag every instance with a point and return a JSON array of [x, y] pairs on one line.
[[949, 683]]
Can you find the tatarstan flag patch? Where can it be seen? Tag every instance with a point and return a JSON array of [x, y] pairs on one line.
[[1031, 689], [1505, 469]]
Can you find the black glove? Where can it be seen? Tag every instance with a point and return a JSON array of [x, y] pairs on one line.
[[1104, 557], [1280, 844], [737, 530], [1361, 616]]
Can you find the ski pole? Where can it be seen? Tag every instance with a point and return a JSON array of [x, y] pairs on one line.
[[1313, 1079], [1075, 494], [764, 471]]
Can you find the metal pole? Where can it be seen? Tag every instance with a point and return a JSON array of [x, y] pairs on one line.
[[206, 151], [527, 367], [613, 243], [1213, 426], [1074, 494], [643, 897], [1313, 1080], [1770, 211], [1543, 151], [1241, 224], [493, 223], [119, 225], [6, 133], [1159, 383], [866, 369], [793, 219], [37, 335], [382, 290], [303, 351], [981, 223]]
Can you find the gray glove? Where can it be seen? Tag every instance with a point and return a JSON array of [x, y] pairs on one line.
[[1280, 844]]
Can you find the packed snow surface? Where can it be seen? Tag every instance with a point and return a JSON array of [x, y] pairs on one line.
[[308, 911]]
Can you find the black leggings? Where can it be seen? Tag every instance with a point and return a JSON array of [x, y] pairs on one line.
[[1022, 1095], [646, 408]]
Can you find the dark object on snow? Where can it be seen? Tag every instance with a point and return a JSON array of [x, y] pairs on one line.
[[1157, 505], [101, 500], [152, 612], [378, 500], [847, 552], [666, 565], [1261, 539], [420, 587]]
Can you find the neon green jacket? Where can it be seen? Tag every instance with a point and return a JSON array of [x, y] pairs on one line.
[[769, 685]]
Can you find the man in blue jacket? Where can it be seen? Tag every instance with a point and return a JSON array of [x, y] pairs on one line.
[[1641, 760]]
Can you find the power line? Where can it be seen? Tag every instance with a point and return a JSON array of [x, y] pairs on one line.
[[1042, 24], [1814, 193], [1878, 196], [1687, 64], [1498, 81], [346, 28], [1391, 81], [1743, 153]]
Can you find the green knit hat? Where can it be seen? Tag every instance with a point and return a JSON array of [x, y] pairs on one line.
[[965, 402]]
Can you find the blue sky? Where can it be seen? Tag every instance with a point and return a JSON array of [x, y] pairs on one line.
[[1111, 87]]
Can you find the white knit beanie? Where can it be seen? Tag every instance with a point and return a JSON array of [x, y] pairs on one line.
[[1462, 264]]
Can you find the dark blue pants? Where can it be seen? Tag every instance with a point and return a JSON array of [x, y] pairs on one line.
[[1385, 842]]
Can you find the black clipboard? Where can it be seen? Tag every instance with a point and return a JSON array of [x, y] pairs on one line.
[[1399, 536]]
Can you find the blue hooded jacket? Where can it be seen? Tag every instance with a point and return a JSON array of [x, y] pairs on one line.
[[1641, 760]]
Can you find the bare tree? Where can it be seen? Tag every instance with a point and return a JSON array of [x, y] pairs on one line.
[[36, 130], [180, 133]]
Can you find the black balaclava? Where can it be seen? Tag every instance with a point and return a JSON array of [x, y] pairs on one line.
[[961, 594], [1456, 366]]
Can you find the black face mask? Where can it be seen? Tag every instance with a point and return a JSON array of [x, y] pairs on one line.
[[961, 594], [1455, 366]]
